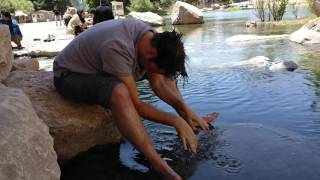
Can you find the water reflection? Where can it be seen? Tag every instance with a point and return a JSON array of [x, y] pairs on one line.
[[145, 92]]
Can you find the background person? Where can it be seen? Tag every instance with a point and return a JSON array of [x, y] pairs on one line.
[[68, 15], [77, 23], [16, 35], [103, 13]]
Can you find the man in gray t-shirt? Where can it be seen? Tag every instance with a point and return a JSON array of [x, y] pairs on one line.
[[101, 66]]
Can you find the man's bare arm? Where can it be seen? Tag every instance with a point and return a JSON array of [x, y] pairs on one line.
[[168, 91], [151, 113]]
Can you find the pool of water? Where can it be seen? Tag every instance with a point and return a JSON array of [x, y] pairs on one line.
[[269, 124]]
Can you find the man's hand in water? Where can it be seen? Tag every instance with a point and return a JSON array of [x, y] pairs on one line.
[[188, 138]]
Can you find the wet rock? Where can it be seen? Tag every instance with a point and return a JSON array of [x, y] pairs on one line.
[[184, 13], [251, 24], [308, 34], [262, 62], [6, 56], [75, 127], [148, 17], [26, 147], [26, 64], [287, 65]]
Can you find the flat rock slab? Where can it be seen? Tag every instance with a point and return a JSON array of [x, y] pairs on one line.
[[249, 38], [308, 34], [75, 127], [43, 49]]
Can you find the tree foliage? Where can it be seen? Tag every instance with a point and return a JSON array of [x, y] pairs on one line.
[[92, 3], [268, 8], [16, 5], [277, 8], [50, 5], [141, 5]]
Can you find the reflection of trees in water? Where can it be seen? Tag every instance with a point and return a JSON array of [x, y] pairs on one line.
[[312, 62]]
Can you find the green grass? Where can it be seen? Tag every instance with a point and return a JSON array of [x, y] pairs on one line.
[[290, 22]]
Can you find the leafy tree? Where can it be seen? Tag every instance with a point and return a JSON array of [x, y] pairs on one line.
[[92, 3], [310, 6], [277, 8], [141, 5], [50, 5], [167, 3], [261, 9], [16, 5]]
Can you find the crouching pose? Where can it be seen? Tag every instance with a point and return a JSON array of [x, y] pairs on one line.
[[101, 66]]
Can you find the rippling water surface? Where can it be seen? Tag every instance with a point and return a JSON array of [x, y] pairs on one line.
[[269, 124]]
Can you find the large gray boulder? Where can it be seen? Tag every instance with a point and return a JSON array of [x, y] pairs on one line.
[[184, 13], [26, 147], [308, 34], [6, 57], [75, 127], [148, 17]]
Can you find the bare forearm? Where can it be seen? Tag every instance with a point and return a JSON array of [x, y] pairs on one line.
[[149, 112], [167, 91]]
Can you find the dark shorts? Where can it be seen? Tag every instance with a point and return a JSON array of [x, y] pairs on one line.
[[86, 88]]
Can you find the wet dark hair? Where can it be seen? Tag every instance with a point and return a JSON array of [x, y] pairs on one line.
[[79, 12], [6, 14], [171, 55]]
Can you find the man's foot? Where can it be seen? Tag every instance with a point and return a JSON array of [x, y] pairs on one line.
[[211, 117]]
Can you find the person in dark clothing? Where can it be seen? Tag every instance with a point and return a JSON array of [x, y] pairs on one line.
[[16, 35], [103, 13]]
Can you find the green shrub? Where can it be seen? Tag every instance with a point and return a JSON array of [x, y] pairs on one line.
[[277, 8], [16, 5], [141, 5]]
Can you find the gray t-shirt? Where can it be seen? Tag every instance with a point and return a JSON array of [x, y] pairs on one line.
[[106, 48]]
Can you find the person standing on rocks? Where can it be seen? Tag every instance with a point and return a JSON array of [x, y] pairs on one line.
[[101, 66]]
